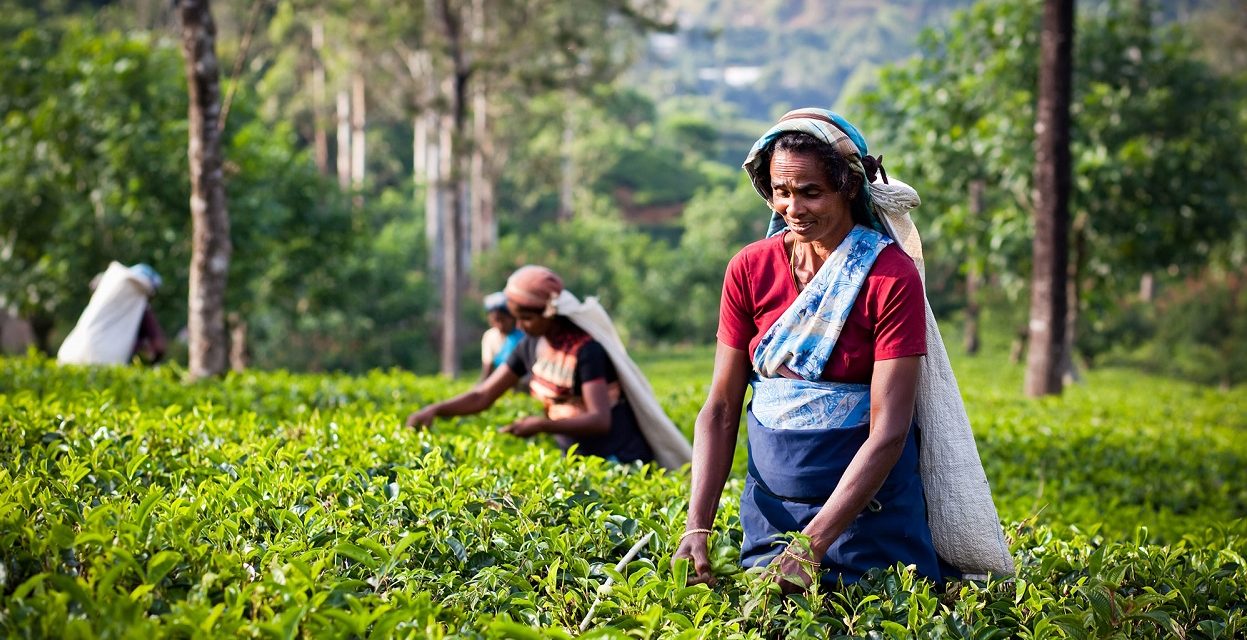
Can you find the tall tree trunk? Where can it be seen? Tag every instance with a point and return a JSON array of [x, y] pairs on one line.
[[465, 221], [239, 353], [452, 248], [484, 228], [425, 158], [1147, 287], [567, 183], [320, 139], [419, 150], [1073, 292], [358, 121], [210, 242], [344, 140], [1017, 348], [16, 334], [435, 197], [488, 232], [973, 273], [454, 279], [477, 173], [1052, 189]]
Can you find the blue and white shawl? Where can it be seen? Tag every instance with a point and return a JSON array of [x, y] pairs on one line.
[[802, 339]]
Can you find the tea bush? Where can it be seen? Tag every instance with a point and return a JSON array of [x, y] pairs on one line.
[[281, 505]]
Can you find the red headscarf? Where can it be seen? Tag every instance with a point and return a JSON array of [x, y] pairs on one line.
[[534, 287]]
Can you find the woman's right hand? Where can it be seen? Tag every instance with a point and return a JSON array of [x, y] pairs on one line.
[[422, 418], [693, 548], [714, 442]]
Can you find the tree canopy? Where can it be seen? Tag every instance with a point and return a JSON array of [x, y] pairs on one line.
[[334, 272]]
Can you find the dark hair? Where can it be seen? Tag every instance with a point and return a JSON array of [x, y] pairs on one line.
[[524, 309], [836, 169]]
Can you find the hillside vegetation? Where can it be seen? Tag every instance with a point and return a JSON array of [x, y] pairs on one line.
[[763, 57], [273, 504]]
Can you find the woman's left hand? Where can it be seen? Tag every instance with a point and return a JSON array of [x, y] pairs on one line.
[[794, 570], [525, 427]]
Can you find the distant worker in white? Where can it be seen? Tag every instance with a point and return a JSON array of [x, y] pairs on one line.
[[118, 322]]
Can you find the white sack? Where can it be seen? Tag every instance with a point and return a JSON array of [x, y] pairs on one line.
[[671, 448], [964, 524], [109, 326]]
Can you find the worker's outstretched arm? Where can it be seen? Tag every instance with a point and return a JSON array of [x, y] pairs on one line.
[[480, 398]]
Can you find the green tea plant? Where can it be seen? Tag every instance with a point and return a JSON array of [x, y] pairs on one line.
[[283, 505]]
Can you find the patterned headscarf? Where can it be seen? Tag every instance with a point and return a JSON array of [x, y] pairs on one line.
[[534, 287], [827, 126]]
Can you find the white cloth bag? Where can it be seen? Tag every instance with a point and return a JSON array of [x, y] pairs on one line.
[[965, 527], [671, 449], [107, 330]]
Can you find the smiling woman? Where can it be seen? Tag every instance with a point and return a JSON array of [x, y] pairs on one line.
[[814, 207], [826, 320]]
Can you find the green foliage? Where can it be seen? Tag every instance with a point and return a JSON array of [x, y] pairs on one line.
[[93, 127], [717, 223], [1155, 179], [92, 168], [654, 290], [1159, 181], [595, 255], [962, 112], [661, 286], [725, 218], [620, 151], [296, 506], [1196, 330], [370, 308]]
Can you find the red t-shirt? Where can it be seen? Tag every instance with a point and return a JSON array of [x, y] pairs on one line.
[[888, 319]]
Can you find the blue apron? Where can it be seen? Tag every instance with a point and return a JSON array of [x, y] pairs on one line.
[[804, 432], [791, 475]]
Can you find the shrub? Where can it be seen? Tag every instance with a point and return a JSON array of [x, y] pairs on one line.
[[295, 505]]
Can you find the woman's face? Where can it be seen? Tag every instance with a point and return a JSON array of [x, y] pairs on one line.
[[530, 321], [501, 321], [802, 196]]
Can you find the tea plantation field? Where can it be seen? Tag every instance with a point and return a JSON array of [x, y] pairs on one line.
[[292, 506]]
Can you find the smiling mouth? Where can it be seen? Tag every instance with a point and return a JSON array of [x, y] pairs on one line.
[[801, 226]]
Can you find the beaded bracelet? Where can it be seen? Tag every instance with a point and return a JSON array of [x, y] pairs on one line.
[[692, 531], [812, 564]]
